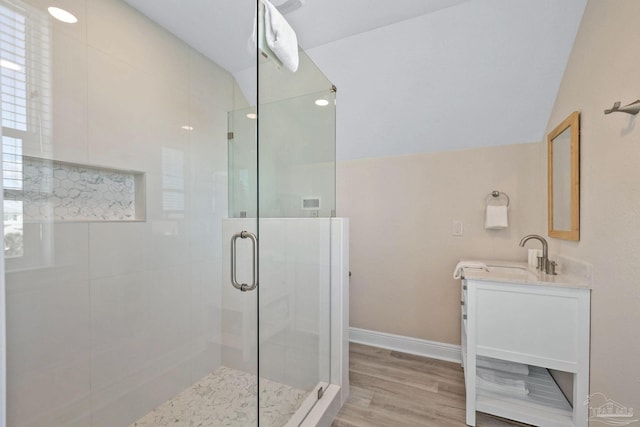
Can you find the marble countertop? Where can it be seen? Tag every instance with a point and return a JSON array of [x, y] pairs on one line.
[[520, 272]]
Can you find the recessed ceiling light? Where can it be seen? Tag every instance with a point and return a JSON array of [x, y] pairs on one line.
[[252, 116], [9, 65], [322, 102], [186, 127], [62, 15]]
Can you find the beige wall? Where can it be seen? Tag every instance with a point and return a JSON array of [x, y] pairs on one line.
[[402, 249], [603, 68]]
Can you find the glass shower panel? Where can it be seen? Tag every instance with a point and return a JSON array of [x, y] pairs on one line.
[[239, 295], [297, 157], [243, 163], [114, 159]]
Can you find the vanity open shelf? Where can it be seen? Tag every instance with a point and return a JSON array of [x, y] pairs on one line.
[[532, 319], [545, 405]]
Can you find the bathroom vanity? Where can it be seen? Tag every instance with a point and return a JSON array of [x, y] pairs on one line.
[[512, 313]]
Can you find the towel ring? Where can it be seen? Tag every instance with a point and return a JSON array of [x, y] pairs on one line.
[[497, 196]]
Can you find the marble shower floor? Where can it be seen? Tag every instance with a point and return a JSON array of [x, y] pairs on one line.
[[226, 397]]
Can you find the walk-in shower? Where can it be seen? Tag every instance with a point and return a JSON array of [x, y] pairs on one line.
[[141, 181]]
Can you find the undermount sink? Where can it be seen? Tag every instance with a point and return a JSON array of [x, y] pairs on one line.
[[508, 269]]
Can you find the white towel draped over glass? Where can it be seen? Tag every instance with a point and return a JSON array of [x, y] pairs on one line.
[[277, 39]]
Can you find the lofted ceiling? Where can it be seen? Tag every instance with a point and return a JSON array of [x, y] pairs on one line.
[[413, 76], [220, 29]]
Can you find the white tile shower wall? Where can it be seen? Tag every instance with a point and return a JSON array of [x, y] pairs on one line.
[[54, 191], [69, 74], [206, 311], [141, 318], [48, 304]]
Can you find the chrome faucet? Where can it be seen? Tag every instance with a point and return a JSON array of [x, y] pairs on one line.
[[545, 265]]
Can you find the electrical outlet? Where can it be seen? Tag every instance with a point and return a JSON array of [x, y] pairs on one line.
[[458, 228]]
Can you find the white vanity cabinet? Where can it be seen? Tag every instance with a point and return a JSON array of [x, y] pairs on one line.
[[525, 318]]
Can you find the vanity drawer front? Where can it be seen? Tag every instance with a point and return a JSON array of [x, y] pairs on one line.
[[517, 323]]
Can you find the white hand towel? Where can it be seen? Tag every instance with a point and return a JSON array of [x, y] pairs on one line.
[[280, 37], [457, 272], [503, 366], [494, 381], [497, 217]]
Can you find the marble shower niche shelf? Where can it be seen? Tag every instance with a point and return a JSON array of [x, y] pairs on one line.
[[51, 190]]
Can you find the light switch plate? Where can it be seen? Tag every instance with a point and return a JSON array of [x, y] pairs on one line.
[[458, 228]]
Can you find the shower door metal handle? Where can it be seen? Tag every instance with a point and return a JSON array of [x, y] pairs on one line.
[[254, 253]]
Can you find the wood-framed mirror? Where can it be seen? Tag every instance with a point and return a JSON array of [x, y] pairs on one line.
[[563, 157]]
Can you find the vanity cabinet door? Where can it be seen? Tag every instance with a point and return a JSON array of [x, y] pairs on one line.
[[534, 325]]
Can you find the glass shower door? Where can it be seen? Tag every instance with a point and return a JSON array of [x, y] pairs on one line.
[[240, 266], [296, 201]]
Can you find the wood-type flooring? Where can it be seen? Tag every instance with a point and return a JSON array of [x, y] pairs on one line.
[[393, 389]]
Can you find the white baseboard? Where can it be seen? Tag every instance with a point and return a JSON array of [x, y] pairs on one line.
[[419, 347]]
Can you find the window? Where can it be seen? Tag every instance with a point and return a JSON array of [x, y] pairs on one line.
[[24, 105]]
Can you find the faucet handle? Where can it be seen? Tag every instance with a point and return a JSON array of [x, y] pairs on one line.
[[551, 268]]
